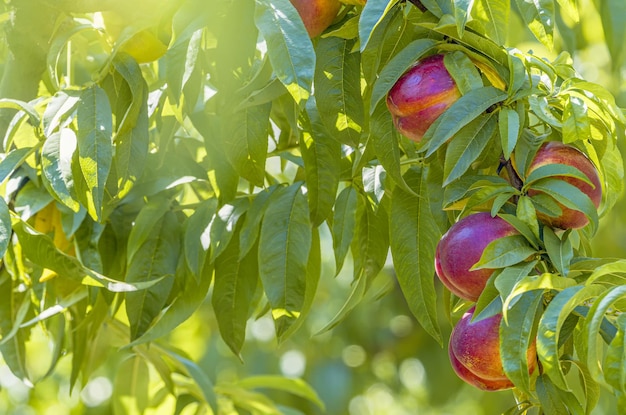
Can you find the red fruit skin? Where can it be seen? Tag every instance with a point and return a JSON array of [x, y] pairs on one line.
[[317, 15], [420, 96], [474, 351], [555, 152], [462, 246]]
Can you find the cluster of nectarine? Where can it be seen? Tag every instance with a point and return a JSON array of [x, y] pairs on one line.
[[424, 92]]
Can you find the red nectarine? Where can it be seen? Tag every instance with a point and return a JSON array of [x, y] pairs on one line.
[[420, 96], [317, 15]]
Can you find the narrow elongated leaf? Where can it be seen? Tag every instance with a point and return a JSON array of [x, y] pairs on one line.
[[285, 242], [592, 324], [556, 169], [575, 120], [5, 227], [554, 400], [467, 146], [384, 139], [322, 165], [508, 278], [157, 257], [509, 127], [613, 15], [561, 306], [132, 137], [59, 108], [539, 17], [199, 376], [197, 239], [338, 90], [545, 281], [236, 281], [559, 250], [515, 339], [13, 308], [12, 160], [463, 71], [413, 239], [294, 386], [371, 243], [504, 252], [56, 164], [344, 223], [494, 15], [223, 225], [570, 196], [252, 221], [288, 46], [372, 14], [246, 142], [462, 11], [612, 268], [614, 369], [461, 113], [95, 146]]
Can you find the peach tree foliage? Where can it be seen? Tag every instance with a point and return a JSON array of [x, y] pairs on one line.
[[208, 174]]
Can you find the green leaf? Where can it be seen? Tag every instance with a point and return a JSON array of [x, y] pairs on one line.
[[252, 221], [508, 278], [5, 227], [199, 376], [504, 252], [556, 170], [344, 224], [613, 13], [131, 387], [568, 195], [322, 166], [156, 257], [338, 89], [13, 308], [526, 213], [285, 242], [40, 249], [575, 120], [372, 14], [294, 386], [614, 369], [561, 306], [396, 67], [21, 106], [413, 237], [384, 138], [95, 146], [56, 165], [461, 113], [539, 17], [462, 11], [516, 337], [224, 224], [593, 322], [463, 71], [559, 250], [236, 281], [467, 145], [288, 46], [197, 239], [61, 106], [13, 160], [191, 297], [509, 127], [612, 268], [371, 243], [554, 400], [132, 137], [494, 16], [545, 281], [246, 141]]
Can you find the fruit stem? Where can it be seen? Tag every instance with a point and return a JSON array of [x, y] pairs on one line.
[[514, 179]]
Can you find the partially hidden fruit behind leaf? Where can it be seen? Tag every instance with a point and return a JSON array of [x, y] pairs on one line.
[[462, 246], [421, 95], [354, 2], [474, 351], [317, 15], [48, 222], [555, 152]]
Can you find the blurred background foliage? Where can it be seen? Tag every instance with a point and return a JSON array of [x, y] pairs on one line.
[[378, 361]]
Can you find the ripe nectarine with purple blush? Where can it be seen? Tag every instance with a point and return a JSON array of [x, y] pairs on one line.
[[555, 152], [420, 96], [317, 15], [461, 248], [474, 350]]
